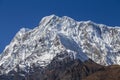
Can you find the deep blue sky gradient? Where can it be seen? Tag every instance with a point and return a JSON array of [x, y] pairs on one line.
[[15, 14]]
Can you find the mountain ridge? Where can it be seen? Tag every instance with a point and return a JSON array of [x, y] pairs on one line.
[[64, 36]]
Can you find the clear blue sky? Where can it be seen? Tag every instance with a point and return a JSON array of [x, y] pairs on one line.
[[15, 14]]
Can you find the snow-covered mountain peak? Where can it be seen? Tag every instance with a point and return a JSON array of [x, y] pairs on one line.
[[47, 19], [62, 36]]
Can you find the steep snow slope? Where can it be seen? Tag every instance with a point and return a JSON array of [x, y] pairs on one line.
[[62, 35]]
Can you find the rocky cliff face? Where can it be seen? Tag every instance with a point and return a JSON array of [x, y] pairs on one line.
[[60, 41]]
